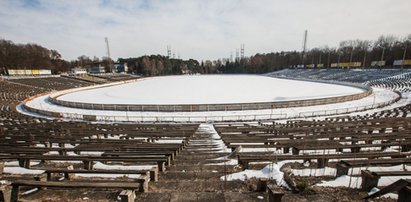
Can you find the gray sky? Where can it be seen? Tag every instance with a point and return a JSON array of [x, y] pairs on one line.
[[199, 29]]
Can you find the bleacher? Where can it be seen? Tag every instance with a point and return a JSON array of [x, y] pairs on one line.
[[88, 78], [116, 76], [332, 139], [168, 153], [52, 83], [345, 75]]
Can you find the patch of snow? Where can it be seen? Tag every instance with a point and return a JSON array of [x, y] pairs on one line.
[[4, 182], [373, 190], [271, 171], [168, 141], [16, 163], [90, 175], [390, 195], [102, 166], [344, 181], [30, 191], [21, 171], [327, 171]]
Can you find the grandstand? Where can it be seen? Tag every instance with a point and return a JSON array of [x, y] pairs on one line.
[[220, 161], [348, 75]]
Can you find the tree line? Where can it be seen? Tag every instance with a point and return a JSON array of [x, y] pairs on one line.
[[387, 48], [155, 65], [28, 56]]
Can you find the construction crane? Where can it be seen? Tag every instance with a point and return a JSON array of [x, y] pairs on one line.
[[110, 66]]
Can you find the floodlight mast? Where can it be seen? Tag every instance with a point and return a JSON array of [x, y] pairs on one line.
[[110, 66], [304, 46]]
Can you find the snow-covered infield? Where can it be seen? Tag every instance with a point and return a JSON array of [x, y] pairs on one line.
[[211, 89]]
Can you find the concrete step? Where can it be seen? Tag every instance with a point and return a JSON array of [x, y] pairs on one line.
[[190, 175], [202, 150], [203, 196], [198, 186], [216, 154], [196, 161], [202, 167], [200, 156]]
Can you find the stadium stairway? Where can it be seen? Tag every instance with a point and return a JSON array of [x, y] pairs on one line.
[[195, 174]]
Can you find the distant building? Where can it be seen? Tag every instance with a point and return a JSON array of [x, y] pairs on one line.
[[78, 71], [121, 67], [97, 69]]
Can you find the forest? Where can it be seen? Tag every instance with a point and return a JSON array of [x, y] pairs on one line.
[[387, 48]]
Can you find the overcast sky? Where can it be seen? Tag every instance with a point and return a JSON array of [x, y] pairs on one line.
[[199, 29]]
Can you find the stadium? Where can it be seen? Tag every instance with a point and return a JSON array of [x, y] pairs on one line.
[[205, 101], [133, 138]]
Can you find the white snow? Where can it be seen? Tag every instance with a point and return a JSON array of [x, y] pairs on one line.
[[389, 195], [30, 191], [355, 182], [168, 141], [342, 181], [327, 171], [215, 137], [90, 175], [271, 171], [16, 163], [21, 171], [208, 89], [102, 166]]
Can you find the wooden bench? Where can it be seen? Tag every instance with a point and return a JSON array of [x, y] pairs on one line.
[[152, 173], [370, 179], [322, 159], [24, 161], [344, 165], [402, 186], [132, 186]]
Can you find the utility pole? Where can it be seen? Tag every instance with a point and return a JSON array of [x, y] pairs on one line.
[[319, 60], [352, 49], [328, 59], [404, 55], [382, 56], [339, 56]]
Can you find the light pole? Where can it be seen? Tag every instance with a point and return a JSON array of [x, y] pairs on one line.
[[382, 56], [328, 59], [365, 55], [338, 61], [404, 55], [352, 49]]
